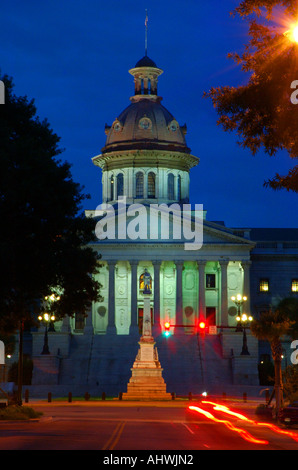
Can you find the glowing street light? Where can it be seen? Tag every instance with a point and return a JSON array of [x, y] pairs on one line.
[[46, 318], [238, 301], [292, 34], [243, 321]]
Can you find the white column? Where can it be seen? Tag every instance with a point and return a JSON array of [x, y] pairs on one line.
[[145, 185], [202, 304], [156, 308], [179, 302], [104, 186], [111, 329], [134, 328], [175, 186], [246, 284], [224, 291]]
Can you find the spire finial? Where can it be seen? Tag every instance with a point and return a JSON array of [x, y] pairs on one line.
[[146, 32]]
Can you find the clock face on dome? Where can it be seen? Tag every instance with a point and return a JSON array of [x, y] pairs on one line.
[[117, 126], [173, 126], [145, 123]]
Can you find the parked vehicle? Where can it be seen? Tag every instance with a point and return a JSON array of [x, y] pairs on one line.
[[288, 415]]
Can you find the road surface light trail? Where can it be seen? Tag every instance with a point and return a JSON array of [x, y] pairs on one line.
[[225, 409], [244, 434], [273, 427]]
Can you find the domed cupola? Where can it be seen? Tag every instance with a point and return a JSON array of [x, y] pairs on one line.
[[144, 143], [145, 124]]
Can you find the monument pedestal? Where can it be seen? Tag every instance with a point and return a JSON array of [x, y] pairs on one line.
[[146, 382]]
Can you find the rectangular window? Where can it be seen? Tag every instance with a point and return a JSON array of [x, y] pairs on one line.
[[264, 285], [210, 281], [294, 285]]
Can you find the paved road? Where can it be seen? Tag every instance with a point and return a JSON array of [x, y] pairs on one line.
[[123, 426]]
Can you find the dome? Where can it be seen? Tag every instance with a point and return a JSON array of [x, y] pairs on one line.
[[145, 62], [146, 124]]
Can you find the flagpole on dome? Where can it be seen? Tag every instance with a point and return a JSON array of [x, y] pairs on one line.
[[146, 32]]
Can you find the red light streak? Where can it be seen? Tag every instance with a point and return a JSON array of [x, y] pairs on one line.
[[244, 434], [273, 427], [227, 410]]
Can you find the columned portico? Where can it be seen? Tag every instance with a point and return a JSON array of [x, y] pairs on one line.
[[182, 297]]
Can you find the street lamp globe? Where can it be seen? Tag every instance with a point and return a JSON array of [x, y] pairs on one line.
[[292, 34], [295, 34]]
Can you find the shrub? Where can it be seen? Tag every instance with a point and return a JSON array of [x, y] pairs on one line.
[[15, 412]]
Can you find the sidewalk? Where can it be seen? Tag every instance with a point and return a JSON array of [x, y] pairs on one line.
[[247, 406]]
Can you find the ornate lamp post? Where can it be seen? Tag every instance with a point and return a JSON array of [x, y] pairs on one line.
[[46, 318], [238, 301], [242, 321]]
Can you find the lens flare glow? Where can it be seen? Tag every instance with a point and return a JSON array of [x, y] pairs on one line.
[[292, 34], [295, 34]]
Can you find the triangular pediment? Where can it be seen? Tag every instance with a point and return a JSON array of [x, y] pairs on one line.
[[139, 223]]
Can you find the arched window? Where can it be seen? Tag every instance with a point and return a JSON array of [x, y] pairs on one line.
[[179, 188], [151, 185], [120, 185], [139, 185], [112, 188], [171, 186]]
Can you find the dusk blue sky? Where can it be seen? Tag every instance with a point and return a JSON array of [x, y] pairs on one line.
[[73, 58]]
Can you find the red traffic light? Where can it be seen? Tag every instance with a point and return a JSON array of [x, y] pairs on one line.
[[202, 328], [167, 326]]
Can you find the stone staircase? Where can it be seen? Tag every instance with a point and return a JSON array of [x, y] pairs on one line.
[[102, 363], [99, 363], [198, 362]]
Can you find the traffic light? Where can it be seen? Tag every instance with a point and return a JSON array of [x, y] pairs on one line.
[[167, 326], [202, 328]]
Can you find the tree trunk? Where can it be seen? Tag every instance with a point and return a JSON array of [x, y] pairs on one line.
[[276, 349], [20, 365], [278, 386]]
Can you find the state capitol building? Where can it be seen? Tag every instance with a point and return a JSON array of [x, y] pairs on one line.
[[146, 161]]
